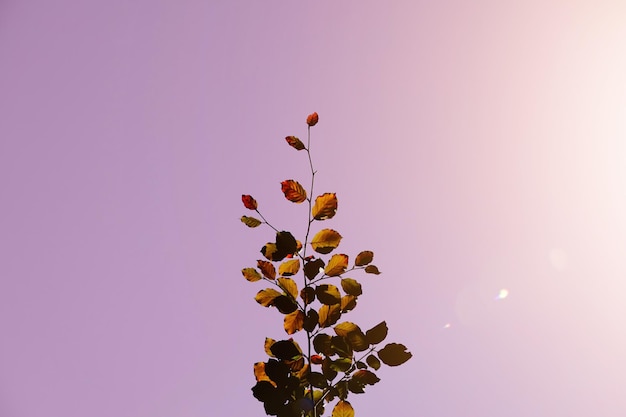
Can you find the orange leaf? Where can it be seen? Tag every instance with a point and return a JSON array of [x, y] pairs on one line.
[[336, 265], [325, 241], [293, 191], [325, 206], [267, 269], [294, 321], [312, 119], [295, 143], [249, 202]]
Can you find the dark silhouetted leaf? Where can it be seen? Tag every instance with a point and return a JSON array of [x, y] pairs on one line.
[[351, 287], [294, 321], [251, 221], [327, 369], [313, 268], [277, 371], [360, 365], [289, 286], [364, 258], [341, 347], [249, 202], [317, 379], [285, 304], [311, 320], [365, 377], [377, 334], [394, 354], [267, 269], [289, 268], [270, 251], [346, 327], [328, 294], [251, 274], [293, 191], [308, 295], [285, 349], [325, 241], [322, 344], [259, 373], [341, 364], [357, 341], [336, 265], [286, 244], [267, 296], [264, 391], [373, 361], [325, 206], [295, 143], [312, 119], [372, 269]]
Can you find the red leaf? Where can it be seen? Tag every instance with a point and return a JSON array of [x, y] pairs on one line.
[[249, 202], [295, 143], [312, 119], [293, 191]]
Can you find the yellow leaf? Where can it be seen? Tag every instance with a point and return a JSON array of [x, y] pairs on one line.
[[250, 221], [325, 241], [293, 191], [325, 206], [348, 302], [267, 269], [364, 258], [259, 373], [342, 329], [343, 409], [270, 251], [251, 274], [289, 286], [336, 265], [268, 346], [294, 322], [267, 296], [289, 268], [328, 315]]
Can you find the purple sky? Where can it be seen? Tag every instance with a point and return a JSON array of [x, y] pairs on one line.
[[474, 146]]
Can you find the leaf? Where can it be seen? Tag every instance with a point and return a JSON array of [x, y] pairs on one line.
[[286, 350], [312, 119], [249, 202], [360, 365], [351, 287], [267, 269], [364, 258], [343, 409], [268, 346], [286, 244], [336, 265], [328, 294], [259, 373], [373, 361], [308, 295], [290, 267], [394, 354], [325, 206], [377, 334], [293, 191], [343, 328], [251, 221], [341, 347], [251, 274], [325, 241], [295, 143], [341, 364], [372, 269], [317, 379], [348, 302], [311, 320], [289, 286], [270, 251], [328, 369], [357, 341], [322, 344], [294, 321], [329, 314], [312, 268], [267, 296], [285, 304], [365, 377]]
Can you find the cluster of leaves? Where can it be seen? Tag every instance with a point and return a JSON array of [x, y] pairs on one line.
[[293, 382]]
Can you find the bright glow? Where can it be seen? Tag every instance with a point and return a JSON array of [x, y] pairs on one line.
[[502, 294]]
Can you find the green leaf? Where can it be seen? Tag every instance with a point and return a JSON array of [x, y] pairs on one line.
[[364, 258], [251, 274], [372, 269], [351, 287], [328, 294], [394, 354], [341, 364], [251, 221], [325, 206], [373, 361], [377, 334], [325, 241]]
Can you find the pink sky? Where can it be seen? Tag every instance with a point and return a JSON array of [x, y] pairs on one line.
[[474, 146]]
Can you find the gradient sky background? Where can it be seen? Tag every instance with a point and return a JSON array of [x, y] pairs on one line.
[[473, 145]]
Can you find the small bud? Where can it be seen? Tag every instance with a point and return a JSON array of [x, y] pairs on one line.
[[312, 119], [317, 359]]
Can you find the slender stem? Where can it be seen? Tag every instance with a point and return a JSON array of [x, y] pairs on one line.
[[266, 222]]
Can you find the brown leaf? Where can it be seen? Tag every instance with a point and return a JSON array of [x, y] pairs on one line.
[[289, 286], [351, 286], [290, 267], [312, 119], [251, 221], [336, 265], [372, 269], [364, 258], [249, 202], [251, 274], [294, 322], [328, 315], [267, 269], [325, 241], [325, 206], [294, 142], [267, 296], [293, 191]]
